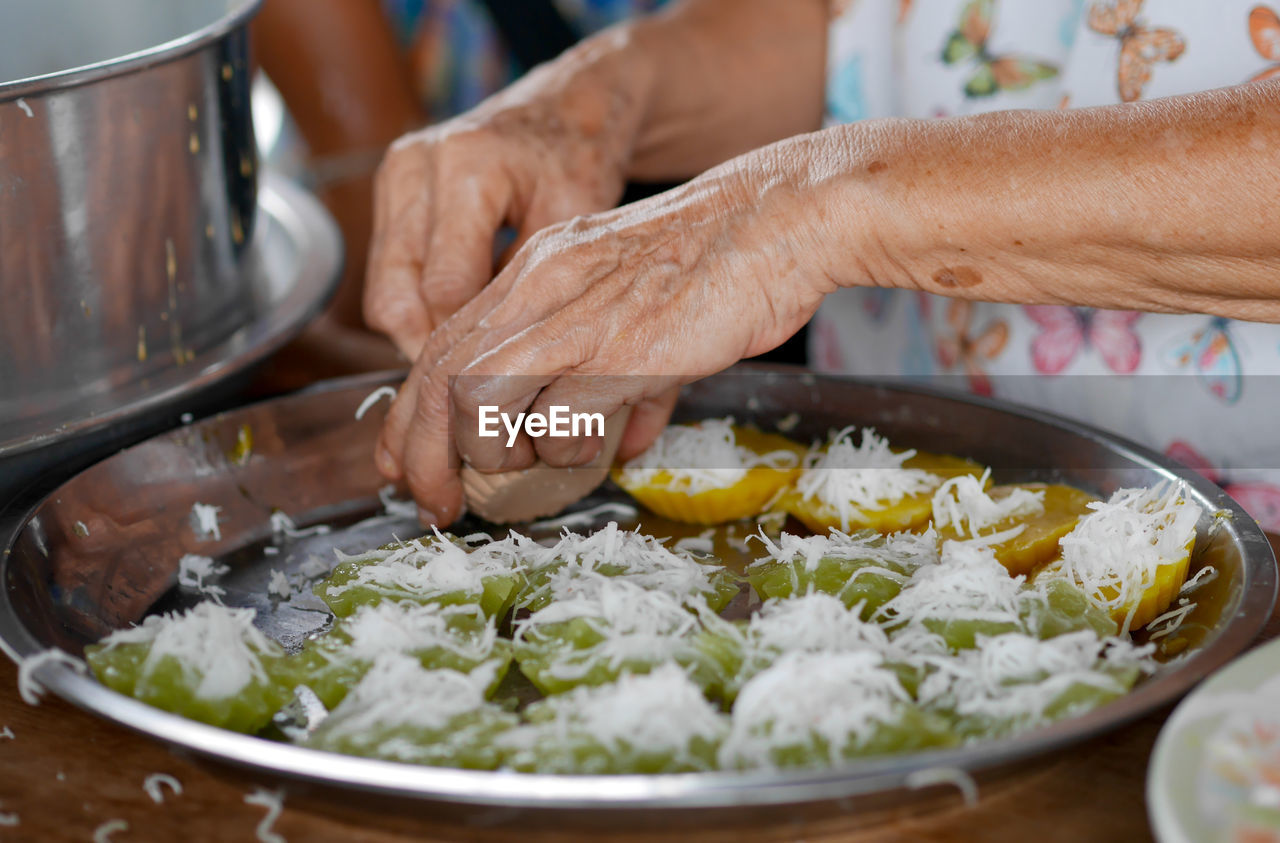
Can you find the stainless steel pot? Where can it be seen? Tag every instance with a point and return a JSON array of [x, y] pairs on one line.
[[128, 182]]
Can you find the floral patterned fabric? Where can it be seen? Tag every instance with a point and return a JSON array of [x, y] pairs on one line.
[[1199, 388], [458, 58]]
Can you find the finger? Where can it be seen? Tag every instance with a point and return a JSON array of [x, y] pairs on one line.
[[392, 304], [598, 396], [648, 419], [459, 260]]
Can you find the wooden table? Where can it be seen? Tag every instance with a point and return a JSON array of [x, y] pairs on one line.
[[65, 772]]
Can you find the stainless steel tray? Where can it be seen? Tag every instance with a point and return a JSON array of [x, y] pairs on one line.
[[102, 551]]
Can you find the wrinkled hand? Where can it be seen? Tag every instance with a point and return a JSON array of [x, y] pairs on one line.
[[617, 307], [550, 147]]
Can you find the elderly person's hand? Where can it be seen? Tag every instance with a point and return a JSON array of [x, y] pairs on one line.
[[550, 147], [649, 296]]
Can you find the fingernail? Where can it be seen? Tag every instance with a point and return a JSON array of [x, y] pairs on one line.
[[427, 518], [386, 462]]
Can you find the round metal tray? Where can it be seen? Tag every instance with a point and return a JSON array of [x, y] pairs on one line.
[[102, 550]]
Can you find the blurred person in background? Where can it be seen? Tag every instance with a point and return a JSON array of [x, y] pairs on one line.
[[357, 74]]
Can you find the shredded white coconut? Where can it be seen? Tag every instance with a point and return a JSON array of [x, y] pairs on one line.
[[397, 691], [1205, 575], [102, 834], [273, 801], [219, 648], [21, 102], [661, 711], [373, 398], [851, 479], [836, 698], [10, 820], [313, 566], [587, 517], [1115, 552], [700, 457], [283, 525], [194, 569], [931, 776], [394, 507], [407, 627], [28, 687], [906, 550], [204, 521], [1167, 623], [963, 504], [279, 585], [6, 732], [155, 784]]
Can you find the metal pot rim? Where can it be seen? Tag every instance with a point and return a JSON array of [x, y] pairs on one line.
[[138, 60]]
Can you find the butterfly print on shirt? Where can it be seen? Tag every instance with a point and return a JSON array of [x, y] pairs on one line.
[[1261, 500], [1264, 32], [993, 74], [970, 352], [1140, 46], [1064, 331]]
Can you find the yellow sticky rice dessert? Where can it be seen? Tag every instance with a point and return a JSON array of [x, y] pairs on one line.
[[711, 472], [1021, 523], [1130, 553], [869, 485]]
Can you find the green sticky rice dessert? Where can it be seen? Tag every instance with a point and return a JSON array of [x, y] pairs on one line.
[[400, 711], [824, 709], [968, 593], [433, 569], [209, 663], [598, 629], [864, 568], [730, 654], [633, 556], [1014, 682], [457, 637], [654, 723]]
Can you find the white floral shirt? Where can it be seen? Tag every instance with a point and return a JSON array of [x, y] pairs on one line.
[[1197, 387]]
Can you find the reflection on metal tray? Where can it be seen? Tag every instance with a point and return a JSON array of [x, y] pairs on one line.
[[102, 551], [290, 270]]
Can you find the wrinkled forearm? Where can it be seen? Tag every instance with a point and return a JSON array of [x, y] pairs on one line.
[[1167, 205]]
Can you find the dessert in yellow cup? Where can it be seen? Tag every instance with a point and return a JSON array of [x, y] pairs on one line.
[[1021, 523], [711, 472], [869, 485], [1131, 553]]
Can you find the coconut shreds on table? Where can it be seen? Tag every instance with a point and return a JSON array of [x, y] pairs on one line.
[[155, 783], [963, 504], [6, 732], [930, 776], [851, 478], [10, 819], [204, 521], [194, 570], [219, 645], [102, 834], [273, 801], [1115, 551], [30, 689], [700, 457]]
